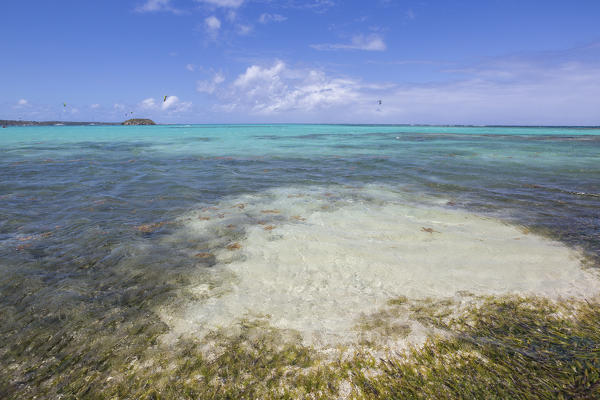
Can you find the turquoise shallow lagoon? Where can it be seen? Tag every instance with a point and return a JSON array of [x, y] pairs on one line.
[[542, 176], [115, 241]]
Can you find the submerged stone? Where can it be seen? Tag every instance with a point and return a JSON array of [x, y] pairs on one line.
[[234, 246]]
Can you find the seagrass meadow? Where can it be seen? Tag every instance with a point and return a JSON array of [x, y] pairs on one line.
[[299, 261]]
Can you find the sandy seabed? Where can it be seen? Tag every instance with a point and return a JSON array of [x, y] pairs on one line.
[[319, 261]]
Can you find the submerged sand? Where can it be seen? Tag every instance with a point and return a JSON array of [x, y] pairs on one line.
[[317, 261]]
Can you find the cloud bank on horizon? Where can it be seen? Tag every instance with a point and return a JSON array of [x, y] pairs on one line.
[[313, 61]]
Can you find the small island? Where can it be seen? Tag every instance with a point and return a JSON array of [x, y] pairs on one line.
[[139, 121]]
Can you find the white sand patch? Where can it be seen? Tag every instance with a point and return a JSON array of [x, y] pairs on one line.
[[325, 259]]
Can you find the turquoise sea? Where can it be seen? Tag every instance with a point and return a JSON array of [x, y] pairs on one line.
[[171, 233]]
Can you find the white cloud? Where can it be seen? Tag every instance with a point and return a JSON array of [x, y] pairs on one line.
[[256, 73], [209, 86], [205, 86], [318, 6], [266, 18], [218, 78], [95, 106], [521, 93], [231, 15], [484, 102], [517, 91], [171, 103], [190, 67], [371, 42], [244, 29], [280, 89], [212, 23], [224, 3], [156, 6], [148, 104], [22, 103]]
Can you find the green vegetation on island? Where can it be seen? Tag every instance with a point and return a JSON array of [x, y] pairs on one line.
[[139, 121]]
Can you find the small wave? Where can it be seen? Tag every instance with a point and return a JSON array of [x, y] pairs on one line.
[[560, 190], [585, 194]]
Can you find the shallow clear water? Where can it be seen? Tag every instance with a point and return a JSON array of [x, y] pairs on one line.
[[120, 223], [112, 178]]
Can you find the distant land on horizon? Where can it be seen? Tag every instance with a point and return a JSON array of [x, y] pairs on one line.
[[8, 122]]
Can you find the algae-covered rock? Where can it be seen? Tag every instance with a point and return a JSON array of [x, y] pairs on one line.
[[139, 121]]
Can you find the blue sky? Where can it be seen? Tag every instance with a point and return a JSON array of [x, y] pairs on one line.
[[235, 61]]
